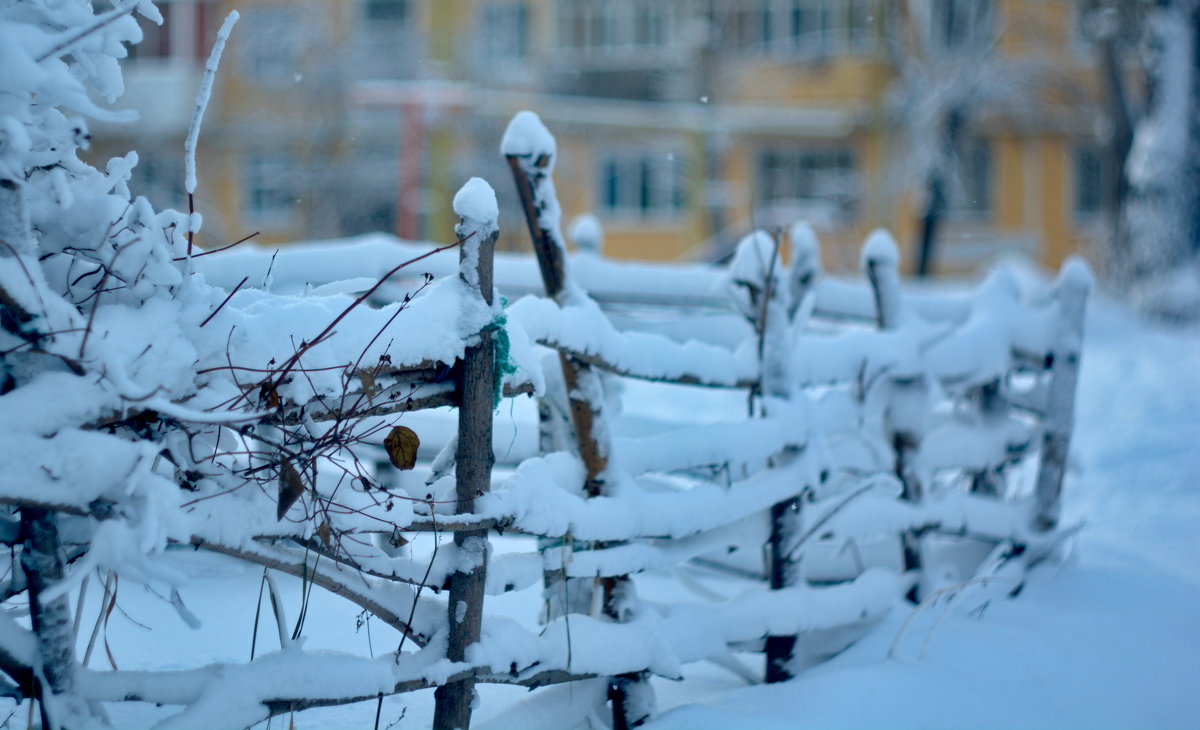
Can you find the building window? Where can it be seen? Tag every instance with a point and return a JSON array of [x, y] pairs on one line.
[[860, 18], [650, 25], [751, 22], [156, 39], [970, 192], [506, 29], [159, 176], [809, 176], [269, 185], [640, 184], [598, 27], [809, 28], [1087, 199], [961, 23], [392, 12], [186, 32]]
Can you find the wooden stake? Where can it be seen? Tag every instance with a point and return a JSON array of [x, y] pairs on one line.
[[474, 459], [880, 263], [41, 559], [631, 694], [1074, 285]]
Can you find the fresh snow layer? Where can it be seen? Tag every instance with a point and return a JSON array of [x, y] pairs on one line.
[[526, 135], [476, 201]]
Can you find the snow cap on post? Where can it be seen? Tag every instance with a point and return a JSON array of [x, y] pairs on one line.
[[587, 234], [879, 262], [475, 205], [1074, 285], [806, 263], [526, 136], [806, 249], [880, 250], [1076, 275], [752, 265]]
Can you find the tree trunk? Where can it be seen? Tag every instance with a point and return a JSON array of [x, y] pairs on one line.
[[935, 202]]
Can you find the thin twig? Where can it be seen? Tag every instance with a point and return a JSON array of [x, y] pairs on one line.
[[226, 301], [214, 250]]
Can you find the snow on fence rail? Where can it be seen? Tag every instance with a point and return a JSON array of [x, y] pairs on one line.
[[141, 407]]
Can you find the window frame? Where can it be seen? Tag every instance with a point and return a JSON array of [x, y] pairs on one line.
[[813, 169], [653, 193], [1082, 181], [498, 18], [270, 174]]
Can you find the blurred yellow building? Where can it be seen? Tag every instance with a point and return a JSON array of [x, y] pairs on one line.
[[682, 124]]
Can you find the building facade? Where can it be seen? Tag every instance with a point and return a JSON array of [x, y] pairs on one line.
[[682, 124]]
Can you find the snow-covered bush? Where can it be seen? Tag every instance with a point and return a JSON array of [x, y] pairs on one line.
[[140, 407]]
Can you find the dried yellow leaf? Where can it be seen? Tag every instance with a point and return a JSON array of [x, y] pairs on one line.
[[401, 444], [291, 486]]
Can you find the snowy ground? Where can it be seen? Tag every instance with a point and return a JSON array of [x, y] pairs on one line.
[[1109, 638]]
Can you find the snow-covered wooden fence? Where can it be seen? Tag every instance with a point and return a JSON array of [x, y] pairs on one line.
[[893, 444]]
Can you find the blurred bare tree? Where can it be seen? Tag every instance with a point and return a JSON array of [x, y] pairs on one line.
[[1149, 58], [951, 75]]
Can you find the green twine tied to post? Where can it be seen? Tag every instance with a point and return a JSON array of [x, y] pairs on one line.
[[504, 364]]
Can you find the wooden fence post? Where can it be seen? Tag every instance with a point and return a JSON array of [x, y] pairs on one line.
[[476, 206], [530, 149], [1072, 289], [806, 267], [880, 263], [993, 409], [759, 290], [41, 559]]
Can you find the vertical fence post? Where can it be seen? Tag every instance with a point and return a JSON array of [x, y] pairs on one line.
[[993, 410], [530, 149], [1072, 289], [758, 290], [905, 413], [805, 270], [41, 558], [476, 206]]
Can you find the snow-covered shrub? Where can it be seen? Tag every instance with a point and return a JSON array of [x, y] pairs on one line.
[[141, 407]]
